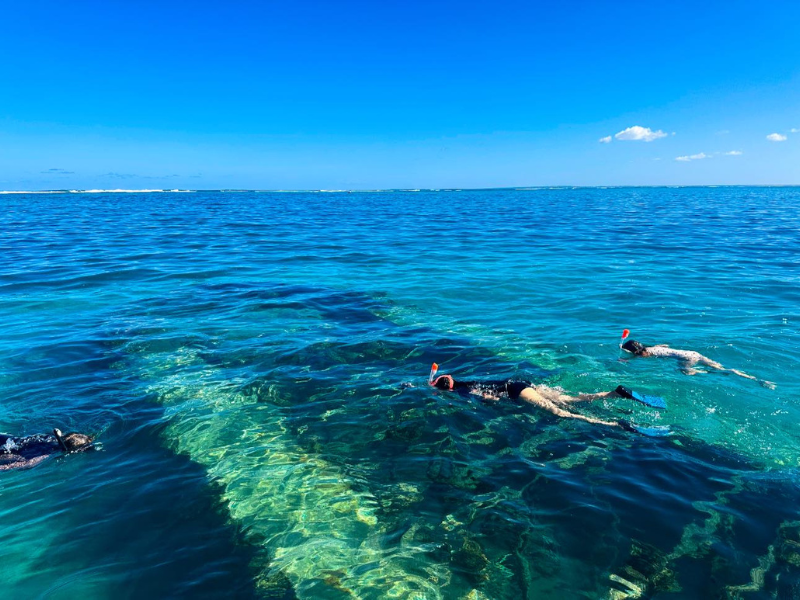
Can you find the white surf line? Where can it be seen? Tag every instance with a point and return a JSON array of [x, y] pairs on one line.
[[319, 530]]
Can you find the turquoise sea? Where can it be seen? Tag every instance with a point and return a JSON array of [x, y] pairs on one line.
[[243, 359]]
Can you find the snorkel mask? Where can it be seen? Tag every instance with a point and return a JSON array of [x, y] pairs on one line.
[[634, 347], [438, 381]]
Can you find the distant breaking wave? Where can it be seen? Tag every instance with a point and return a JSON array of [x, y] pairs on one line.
[[360, 191], [123, 191]]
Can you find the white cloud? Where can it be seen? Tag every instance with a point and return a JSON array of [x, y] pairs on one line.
[[734, 153], [639, 134], [794, 130], [699, 156], [605, 140], [776, 137]]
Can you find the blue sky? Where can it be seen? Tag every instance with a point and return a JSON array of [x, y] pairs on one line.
[[341, 95]]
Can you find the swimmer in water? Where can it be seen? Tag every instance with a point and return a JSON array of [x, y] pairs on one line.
[[550, 399], [689, 359], [29, 451]]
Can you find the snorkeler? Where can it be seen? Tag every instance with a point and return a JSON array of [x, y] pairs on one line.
[[688, 359], [29, 451], [550, 399]]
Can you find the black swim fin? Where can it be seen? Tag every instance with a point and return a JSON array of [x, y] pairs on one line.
[[652, 401]]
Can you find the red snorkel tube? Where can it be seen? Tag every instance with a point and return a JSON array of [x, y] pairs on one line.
[[625, 334], [434, 369], [432, 378]]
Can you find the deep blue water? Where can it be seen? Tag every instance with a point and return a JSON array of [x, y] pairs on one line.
[[241, 358]]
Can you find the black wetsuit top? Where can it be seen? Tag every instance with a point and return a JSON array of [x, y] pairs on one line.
[[508, 387]]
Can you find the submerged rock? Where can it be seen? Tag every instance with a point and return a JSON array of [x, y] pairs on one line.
[[645, 573]]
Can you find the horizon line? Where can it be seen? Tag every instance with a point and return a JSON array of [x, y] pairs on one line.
[[395, 190]]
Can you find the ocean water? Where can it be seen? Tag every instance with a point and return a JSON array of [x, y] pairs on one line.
[[245, 361]]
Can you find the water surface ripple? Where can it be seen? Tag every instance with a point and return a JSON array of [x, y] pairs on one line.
[[242, 358]]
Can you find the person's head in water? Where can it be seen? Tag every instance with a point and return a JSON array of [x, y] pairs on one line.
[[73, 442], [635, 347], [444, 382]]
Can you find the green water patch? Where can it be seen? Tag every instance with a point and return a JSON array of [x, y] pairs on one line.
[[255, 415], [354, 485], [316, 522]]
